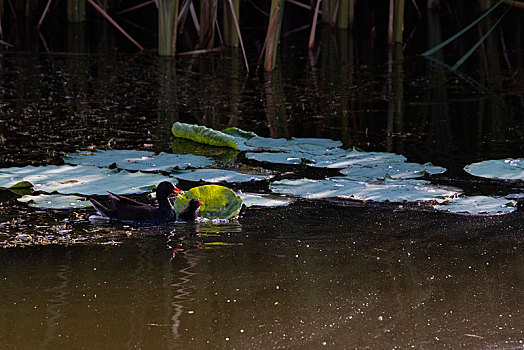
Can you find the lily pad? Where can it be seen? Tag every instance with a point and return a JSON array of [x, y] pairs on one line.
[[478, 205], [390, 191], [137, 160], [55, 201], [216, 176], [202, 134], [339, 160], [396, 170], [263, 200], [241, 137], [81, 179], [22, 188], [218, 202], [308, 145], [506, 169]]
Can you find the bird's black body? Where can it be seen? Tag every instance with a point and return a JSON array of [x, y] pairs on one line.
[[128, 210]]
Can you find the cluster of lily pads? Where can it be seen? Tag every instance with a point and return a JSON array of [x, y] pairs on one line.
[[364, 176]]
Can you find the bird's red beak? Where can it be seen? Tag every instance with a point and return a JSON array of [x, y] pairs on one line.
[[178, 191], [200, 203]]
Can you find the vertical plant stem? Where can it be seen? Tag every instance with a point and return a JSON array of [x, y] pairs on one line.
[[343, 15], [273, 33], [167, 27], [351, 13], [314, 26], [390, 22], [208, 15], [239, 35], [398, 21], [76, 10], [229, 27]]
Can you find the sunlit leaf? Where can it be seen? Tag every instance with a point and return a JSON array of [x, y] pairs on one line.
[[22, 188], [391, 191], [396, 170], [201, 134], [263, 200], [81, 179], [506, 169], [55, 201], [478, 205], [137, 160], [218, 201], [216, 176], [241, 137]]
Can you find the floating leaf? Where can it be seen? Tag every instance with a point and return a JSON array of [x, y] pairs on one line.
[[55, 201], [216, 176], [391, 191], [477, 205], [22, 188], [354, 157], [201, 134], [281, 157], [81, 179], [506, 169], [308, 145], [263, 200], [396, 170], [137, 160], [218, 201], [241, 137]]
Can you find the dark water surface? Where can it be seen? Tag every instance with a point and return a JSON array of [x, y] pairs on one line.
[[303, 276]]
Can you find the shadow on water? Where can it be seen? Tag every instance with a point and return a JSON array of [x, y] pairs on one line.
[[302, 276]]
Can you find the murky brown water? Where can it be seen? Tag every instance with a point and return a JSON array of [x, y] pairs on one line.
[[303, 276]]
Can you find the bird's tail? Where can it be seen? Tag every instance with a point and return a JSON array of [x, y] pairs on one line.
[[102, 210]]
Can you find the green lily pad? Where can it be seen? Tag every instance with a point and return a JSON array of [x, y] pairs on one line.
[[137, 160], [241, 137], [22, 188], [385, 191], [216, 176], [201, 134], [263, 200], [506, 169], [81, 179], [478, 205], [218, 202], [55, 201]]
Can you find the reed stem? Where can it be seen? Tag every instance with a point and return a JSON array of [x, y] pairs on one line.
[[76, 11], [229, 27], [208, 16], [398, 21], [167, 27], [273, 34]]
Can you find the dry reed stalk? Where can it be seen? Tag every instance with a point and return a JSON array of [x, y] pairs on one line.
[[136, 7], [208, 15], [314, 27], [273, 34], [44, 14], [234, 11], [104, 13]]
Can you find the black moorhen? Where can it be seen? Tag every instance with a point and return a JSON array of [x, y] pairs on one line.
[[190, 214], [127, 209]]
